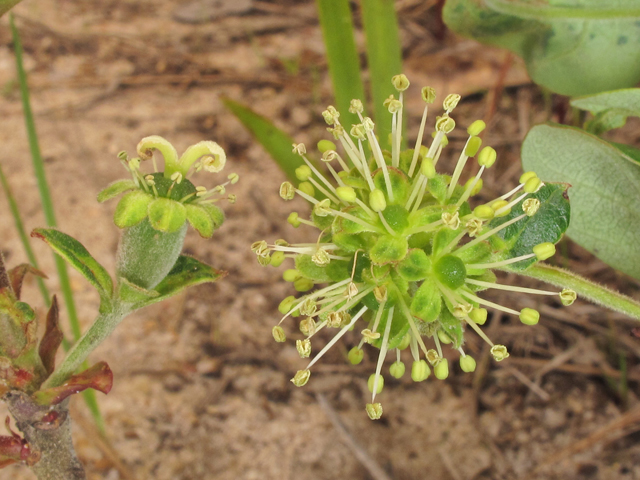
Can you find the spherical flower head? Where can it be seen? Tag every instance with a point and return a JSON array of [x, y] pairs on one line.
[[168, 199], [400, 250]]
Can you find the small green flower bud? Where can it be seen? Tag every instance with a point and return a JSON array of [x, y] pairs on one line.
[[441, 370], [355, 106], [294, 219], [527, 176], [467, 364], [487, 157], [499, 205], [322, 208], [306, 187], [400, 82], [530, 206], [476, 188], [567, 297], [420, 371], [355, 355], [303, 284], [532, 185], [377, 201], [427, 168], [484, 212], [287, 191], [404, 343], [303, 173], [529, 316], [544, 250], [286, 304], [473, 145], [348, 194], [450, 102], [478, 315], [476, 127], [326, 145], [444, 338], [499, 352], [308, 326], [445, 124], [374, 410], [303, 347], [372, 379], [278, 334], [301, 378], [451, 221], [290, 275], [277, 258], [397, 369], [428, 94], [432, 356]]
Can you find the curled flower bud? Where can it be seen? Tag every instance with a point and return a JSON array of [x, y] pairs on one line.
[[355, 355], [529, 316], [530, 206]]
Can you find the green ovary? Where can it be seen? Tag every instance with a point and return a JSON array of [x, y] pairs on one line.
[[450, 271]]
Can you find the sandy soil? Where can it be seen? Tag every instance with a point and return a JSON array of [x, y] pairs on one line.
[[201, 389]]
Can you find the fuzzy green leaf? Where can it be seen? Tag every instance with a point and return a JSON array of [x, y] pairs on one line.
[[426, 301], [388, 249], [547, 225], [310, 270], [116, 188], [399, 328], [200, 219], [133, 294], [275, 141], [167, 215], [610, 109], [416, 265], [132, 209], [576, 47], [604, 195], [79, 258]]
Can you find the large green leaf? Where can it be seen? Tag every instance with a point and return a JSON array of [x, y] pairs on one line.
[[547, 225], [573, 47], [79, 258], [277, 143], [610, 109], [604, 195]]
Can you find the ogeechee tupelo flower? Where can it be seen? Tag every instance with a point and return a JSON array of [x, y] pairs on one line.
[[400, 249], [169, 199]]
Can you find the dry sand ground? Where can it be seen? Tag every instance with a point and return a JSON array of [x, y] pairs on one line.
[[201, 390]]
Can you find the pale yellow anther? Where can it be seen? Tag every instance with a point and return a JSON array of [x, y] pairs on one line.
[[322, 208], [287, 191], [380, 292], [473, 226], [499, 207], [428, 94], [394, 106], [529, 316], [334, 320], [337, 131], [450, 102], [377, 200], [388, 100], [532, 185], [368, 124], [467, 364], [544, 250], [473, 145], [299, 148], [441, 370], [352, 290], [176, 177], [400, 82], [278, 334], [232, 198], [303, 173], [476, 127], [301, 378], [307, 187], [324, 145], [478, 315], [265, 260], [355, 106], [461, 310], [358, 131], [567, 297], [374, 410], [260, 247], [233, 178], [445, 124], [371, 383], [451, 221], [369, 336], [427, 168], [476, 188], [432, 356], [329, 156], [308, 326], [150, 181], [348, 194], [499, 352], [484, 212], [303, 347], [526, 176], [530, 206], [308, 307], [321, 257], [487, 157]]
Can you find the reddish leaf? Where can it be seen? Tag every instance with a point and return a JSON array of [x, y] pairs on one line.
[[98, 377], [10, 449], [14, 377], [17, 274], [4, 278], [52, 338]]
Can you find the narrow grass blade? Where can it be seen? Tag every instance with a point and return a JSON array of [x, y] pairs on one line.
[[47, 203], [344, 62], [384, 56], [275, 141], [6, 5]]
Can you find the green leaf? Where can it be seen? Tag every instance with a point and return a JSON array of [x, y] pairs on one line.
[[576, 47], [167, 215], [200, 219], [133, 294], [384, 57], [604, 195], [610, 109], [275, 141], [547, 225], [79, 258], [116, 188], [427, 301], [342, 56], [132, 209], [6, 5], [388, 249]]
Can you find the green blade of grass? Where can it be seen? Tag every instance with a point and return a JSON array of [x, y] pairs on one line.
[[275, 141], [47, 207], [6, 5], [342, 56], [384, 57]]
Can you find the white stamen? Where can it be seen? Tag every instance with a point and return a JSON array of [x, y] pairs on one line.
[[383, 352]]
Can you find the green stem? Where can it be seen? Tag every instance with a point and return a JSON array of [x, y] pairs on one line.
[[584, 288], [102, 327]]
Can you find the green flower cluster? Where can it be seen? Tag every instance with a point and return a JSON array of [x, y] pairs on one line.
[[400, 248]]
